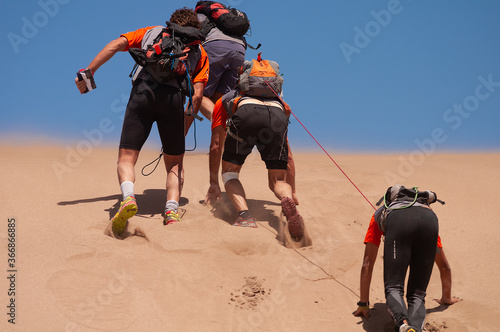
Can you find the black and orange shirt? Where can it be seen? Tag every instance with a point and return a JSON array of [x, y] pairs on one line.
[[198, 64]]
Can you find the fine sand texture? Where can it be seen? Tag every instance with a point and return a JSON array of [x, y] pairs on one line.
[[205, 275]]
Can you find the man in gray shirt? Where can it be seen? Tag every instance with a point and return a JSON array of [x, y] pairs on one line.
[[226, 54]]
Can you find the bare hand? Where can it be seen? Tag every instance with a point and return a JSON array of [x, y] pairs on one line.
[[450, 301], [82, 87], [362, 311], [186, 50], [213, 194]]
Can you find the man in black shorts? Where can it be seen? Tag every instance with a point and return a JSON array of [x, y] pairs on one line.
[[151, 101], [260, 122]]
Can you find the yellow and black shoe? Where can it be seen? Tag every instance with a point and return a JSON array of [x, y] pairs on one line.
[[128, 209], [171, 217]]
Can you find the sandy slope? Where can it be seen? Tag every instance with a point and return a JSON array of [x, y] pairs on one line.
[[205, 275]]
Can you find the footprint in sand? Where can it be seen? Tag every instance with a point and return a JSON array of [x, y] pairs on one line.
[[250, 294], [285, 237], [131, 231], [431, 326]]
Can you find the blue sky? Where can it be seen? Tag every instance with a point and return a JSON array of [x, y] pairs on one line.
[[360, 75]]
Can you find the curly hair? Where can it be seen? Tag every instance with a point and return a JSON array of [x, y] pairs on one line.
[[185, 17]]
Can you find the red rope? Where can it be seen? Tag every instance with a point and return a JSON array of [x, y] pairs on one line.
[[324, 150], [334, 161]]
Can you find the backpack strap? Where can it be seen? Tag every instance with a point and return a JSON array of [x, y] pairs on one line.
[[206, 26], [230, 103], [188, 35], [233, 106], [398, 189], [136, 65], [233, 135]]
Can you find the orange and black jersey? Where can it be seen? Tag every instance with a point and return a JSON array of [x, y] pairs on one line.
[[199, 62]]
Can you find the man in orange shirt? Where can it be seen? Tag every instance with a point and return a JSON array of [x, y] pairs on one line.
[[150, 102], [261, 122]]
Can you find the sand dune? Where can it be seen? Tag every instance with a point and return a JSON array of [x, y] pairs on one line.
[[205, 275]]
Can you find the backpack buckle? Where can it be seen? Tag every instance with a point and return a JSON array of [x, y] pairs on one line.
[[157, 48]]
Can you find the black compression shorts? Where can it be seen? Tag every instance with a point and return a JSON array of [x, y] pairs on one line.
[[262, 126], [150, 102]]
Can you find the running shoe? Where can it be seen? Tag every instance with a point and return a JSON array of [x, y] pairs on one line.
[[128, 209], [171, 217], [295, 222], [407, 328], [245, 222]]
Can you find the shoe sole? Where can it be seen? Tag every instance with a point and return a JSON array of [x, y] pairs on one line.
[[121, 218], [251, 224], [295, 221], [170, 222]]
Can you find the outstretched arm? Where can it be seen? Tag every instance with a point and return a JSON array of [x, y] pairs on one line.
[[119, 44], [369, 258], [216, 145], [445, 273]]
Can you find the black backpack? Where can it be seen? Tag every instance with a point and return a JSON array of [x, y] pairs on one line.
[[402, 194], [409, 197], [231, 21], [162, 59]]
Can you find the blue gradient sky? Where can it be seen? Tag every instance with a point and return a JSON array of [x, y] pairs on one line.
[[361, 75]]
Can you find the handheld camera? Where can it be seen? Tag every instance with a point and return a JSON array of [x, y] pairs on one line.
[[86, 75]]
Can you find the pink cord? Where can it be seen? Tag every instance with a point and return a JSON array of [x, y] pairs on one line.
[[323, 149]]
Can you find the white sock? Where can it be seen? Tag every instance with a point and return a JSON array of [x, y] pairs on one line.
[[171, 206], [127, 189]]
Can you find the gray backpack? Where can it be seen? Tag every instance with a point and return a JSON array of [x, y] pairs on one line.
[[260, 78]]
